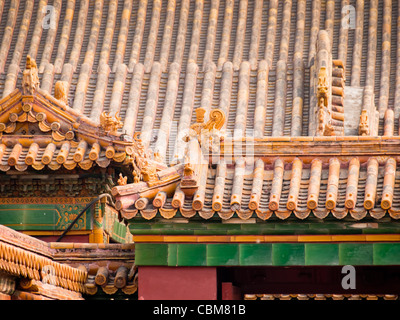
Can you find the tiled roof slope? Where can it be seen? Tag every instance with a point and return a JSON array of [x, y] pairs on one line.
[[40, 131], [320, 297], [31, 262], [156, 61], [58, 270], [109, 267], [282, 189]]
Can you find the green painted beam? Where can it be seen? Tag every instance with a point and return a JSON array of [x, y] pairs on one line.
[[267, 254], [44, 216]]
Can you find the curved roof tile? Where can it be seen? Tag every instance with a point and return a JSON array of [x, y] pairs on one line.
[[248, 58]]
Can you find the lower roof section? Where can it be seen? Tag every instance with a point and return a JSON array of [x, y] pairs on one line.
[[317, 296], [33, 269], [51, 155], [280, 188], [268, 254]]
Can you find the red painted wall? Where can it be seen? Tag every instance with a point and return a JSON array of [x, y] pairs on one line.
[[177, 283], [230, 292]]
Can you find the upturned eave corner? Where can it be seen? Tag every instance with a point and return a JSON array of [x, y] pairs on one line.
[[33, 119], [154, 182]]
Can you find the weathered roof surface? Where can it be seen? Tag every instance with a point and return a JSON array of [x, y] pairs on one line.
[[40, 159], [32, 260], [252, 188], [156, 61], [63, 270], [39, 130], [110, 267]]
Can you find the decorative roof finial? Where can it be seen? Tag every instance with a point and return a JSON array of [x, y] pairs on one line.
[[325, 127], [322, 89], [60, 91], [108, 124], [30, 78], [200, 112], [122, 181], [208, 129], [363, 127]]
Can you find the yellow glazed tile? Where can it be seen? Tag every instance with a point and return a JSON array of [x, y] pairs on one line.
[[315, 238], [383, 237], [148, 238], [353, 237], [248, 238], [214, 239], [180, 239], [291, 238]]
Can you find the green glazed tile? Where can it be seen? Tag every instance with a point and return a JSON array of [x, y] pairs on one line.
[[315, 231], [326, 225], [225, 226], [288, 254], [119, 229], [194, 254], [348, 231], [172, 254], [255, 254], [222, 254], [277, 232], [177, 231], [193, 225], [161, 226], [322, 254], [210, 232], [150, 254], [386, 253], [145, 231], [381, 230], [139, 226], [244, 232], [355, 254], [257, 226], [292, 226]]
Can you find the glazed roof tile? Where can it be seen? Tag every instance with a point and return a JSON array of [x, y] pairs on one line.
[[320, 297], [156, 61], [39, 130], [72, 266], [40, 160], [110, 281], [321, 188], [32, 261], [109, 267]]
